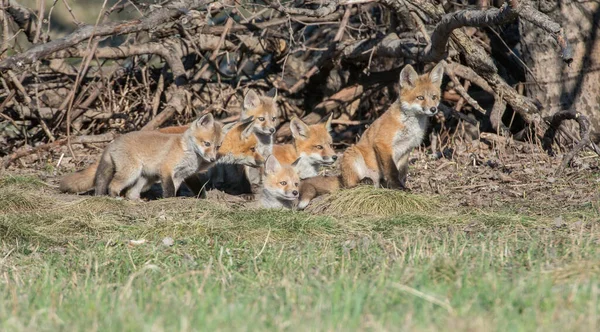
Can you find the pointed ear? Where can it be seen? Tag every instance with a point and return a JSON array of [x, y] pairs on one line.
[[272, 93], [205, 121], [408, 77], [251, 101], [437, 73], [299, 128], [248, 129], [328, 122], [272, 165], [228, 127], [295, 163]]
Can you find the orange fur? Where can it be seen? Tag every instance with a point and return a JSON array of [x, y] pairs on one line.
[[383, 150], [312, 147]]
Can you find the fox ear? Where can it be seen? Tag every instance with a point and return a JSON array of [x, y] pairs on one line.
[[299, 128], [205, 121], [251, 101], [295, 163], [437, 73], [328, 122], [272, 93], [248, 129], [272, 165], [408, 77], [228, 127]]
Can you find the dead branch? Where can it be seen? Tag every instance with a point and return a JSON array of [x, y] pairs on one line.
[[167, 13], [554, 123], [74, 140]]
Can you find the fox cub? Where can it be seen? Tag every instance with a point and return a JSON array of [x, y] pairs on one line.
[[382, 152], [135, 161], [280, 187], [312, 147]]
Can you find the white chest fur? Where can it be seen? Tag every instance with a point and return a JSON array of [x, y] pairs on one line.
[[410, 136]]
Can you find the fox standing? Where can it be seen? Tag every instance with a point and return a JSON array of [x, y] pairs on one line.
[[382, 152], [136, 160]]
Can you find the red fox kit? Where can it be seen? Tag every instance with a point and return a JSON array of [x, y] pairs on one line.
[[238, 145], [312, 147], [136, 160], [280, 187], [244, 179], [383, 150]]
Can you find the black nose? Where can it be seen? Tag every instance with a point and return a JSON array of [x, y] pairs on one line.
[[295, 192], [212, 160], [433, 110], [334, 157], [272, 130]]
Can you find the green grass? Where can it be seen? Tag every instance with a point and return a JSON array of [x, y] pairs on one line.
[[67, 264]]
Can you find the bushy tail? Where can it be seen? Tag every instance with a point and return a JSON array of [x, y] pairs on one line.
[[79, 182], [104, 173]]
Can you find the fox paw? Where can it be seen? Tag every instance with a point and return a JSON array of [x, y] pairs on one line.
[[248, 197]]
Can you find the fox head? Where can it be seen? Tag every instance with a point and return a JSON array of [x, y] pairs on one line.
[[240, 145], [420, 95], [205, 136], [281, 181], [264, 111], [314, 142]]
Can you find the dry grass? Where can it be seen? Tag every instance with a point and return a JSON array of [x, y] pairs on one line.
[[369, 201], [228, 268]]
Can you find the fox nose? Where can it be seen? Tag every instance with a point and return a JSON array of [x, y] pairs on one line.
[[295, 192], [433, 110], [212, 159], [272, 130], [334, 157]]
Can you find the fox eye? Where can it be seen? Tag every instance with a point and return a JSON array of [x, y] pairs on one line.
[[261, 119], [218, 147], [253, 149], [273, 118], [320, 147], [420, 97], [434, 97], [296, 184], [283, 183], [206, 143]]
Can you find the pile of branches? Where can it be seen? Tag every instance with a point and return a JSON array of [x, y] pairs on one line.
[[180, 58]]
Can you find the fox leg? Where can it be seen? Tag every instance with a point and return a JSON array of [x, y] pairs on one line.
[[402, 165], [123, 178], [351, 160], [387, 166], [133, 193], [307, 193]]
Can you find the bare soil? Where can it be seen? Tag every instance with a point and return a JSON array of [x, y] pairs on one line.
[[479, 175]]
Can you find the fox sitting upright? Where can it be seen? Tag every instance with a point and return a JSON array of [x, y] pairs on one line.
[[383, 150], [312, 147], [135, 161]]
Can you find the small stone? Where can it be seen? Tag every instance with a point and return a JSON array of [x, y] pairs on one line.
[[167, 241]]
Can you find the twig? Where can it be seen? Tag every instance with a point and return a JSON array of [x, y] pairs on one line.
[[584, 132], [215, 52], [326, 56], [464, 94], [75, 140]]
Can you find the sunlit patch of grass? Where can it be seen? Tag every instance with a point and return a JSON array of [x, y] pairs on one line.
[[370, 201]]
